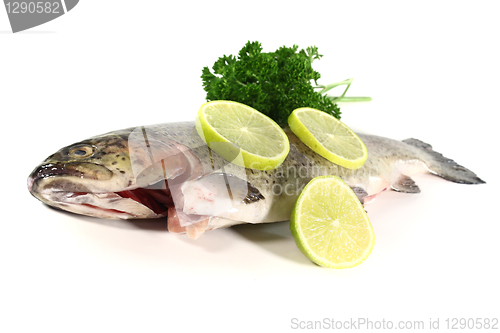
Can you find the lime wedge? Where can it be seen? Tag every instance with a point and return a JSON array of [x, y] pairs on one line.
[[329, 224], [328, 137], [242, 135]]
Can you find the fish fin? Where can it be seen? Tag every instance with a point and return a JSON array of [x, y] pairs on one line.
[[417, 143], [360, 193], [444, 167], [406, 185]]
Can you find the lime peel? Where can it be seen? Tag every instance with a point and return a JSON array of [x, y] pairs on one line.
[[328, 137], [242, 135], [329, 224]]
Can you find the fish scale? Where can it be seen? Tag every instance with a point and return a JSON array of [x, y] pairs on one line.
[[167, 170]]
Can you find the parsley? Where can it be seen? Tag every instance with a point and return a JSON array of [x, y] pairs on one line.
[[274, 83]]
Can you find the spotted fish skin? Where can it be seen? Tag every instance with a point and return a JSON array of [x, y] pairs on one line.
[[167, 170]]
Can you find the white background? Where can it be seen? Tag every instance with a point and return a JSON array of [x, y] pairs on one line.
[[432, 69]]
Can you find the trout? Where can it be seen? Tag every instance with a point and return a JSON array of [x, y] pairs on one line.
[[167, 171]]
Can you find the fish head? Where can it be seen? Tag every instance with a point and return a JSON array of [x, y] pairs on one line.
[[118, 175], [83, 166]]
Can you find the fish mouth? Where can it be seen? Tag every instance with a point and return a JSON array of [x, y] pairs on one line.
[[80, 169], [131, 203], [65, 186], [157, 200], [155, 203]]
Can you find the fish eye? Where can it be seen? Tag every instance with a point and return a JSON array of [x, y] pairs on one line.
[[81, 152]]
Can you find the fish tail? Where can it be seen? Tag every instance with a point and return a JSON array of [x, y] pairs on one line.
[[444, 167]]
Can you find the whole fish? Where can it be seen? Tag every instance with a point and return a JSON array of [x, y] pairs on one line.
[[168, 171]]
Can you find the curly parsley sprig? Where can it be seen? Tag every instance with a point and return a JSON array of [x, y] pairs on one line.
[[275, 83]]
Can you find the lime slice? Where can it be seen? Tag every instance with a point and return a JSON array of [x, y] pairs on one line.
[[328, 137], [329, 224], [242, 135]]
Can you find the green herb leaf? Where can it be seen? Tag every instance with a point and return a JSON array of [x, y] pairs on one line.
[[275, 83]]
